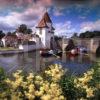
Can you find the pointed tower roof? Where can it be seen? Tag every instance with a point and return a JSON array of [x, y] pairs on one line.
[[45, 19]]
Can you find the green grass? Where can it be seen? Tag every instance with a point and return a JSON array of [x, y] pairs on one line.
[[7, 48]]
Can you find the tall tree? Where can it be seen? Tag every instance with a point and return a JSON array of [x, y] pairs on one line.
[[29, 31], [1, 34], [9, 33], [75, 35], [24, 29]]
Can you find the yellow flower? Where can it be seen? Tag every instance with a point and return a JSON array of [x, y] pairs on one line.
[[19, 81], [24, 84], [90, 72], [98, 86], [8, 80], [46, 90], [14, 97], [31, 88], [30, 96], [39, 93], [46, 97], [61, 97], [17, 74], [90, 92], [30, 77], [46, 86], [55, 72], [48, 72], [53, 85], [39, 78], [75, 81]]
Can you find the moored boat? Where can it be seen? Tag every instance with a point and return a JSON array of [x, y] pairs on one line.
[[45, 54], [72, 53], [50, 53]]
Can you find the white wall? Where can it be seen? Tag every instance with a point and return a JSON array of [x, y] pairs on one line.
[[45, 35], [4, 42], [29, 47]]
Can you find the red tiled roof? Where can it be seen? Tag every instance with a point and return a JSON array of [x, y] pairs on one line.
[[10, 36], [45, 19]]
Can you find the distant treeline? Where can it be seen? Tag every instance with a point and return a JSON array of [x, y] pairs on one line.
[[87, 34], [90, 34]]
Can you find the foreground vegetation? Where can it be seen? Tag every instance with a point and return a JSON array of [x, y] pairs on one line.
[[53, 84]]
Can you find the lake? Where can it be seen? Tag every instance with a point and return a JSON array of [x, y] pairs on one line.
[[32, 62]]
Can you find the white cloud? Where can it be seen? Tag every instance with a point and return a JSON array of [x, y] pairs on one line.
[[64, 29], [82, 17], [90, 26], [30, 17], [58, 11]]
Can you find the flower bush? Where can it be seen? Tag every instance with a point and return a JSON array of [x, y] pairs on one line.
[[53, 84], [34, 87], [86, 87]]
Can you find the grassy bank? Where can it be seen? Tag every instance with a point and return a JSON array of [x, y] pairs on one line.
[[7, 48]]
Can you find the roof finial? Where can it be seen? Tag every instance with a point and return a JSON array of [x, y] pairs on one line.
[[46, 9]]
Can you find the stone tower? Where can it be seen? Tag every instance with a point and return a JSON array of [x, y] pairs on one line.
[[45, 31]]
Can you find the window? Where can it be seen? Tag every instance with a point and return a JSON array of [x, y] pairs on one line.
[[40, 30]]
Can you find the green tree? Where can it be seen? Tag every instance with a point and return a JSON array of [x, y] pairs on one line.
[[88, 34], [1, 34], [9, 33], [29, 31], [75, 35], [24, 29]]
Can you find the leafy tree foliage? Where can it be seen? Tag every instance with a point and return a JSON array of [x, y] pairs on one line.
[[24, 29], [1, 34], [75, 35], [90, 34], [9, 33]]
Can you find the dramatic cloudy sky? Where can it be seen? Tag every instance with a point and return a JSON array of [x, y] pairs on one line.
[[68, 16]]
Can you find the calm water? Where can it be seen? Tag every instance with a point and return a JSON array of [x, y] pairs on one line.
[[29, 62]]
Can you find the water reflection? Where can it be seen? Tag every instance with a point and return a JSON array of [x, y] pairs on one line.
[[32, 61]]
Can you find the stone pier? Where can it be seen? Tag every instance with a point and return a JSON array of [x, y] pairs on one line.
[[89, 43]]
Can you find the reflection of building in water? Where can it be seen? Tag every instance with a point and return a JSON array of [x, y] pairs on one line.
[[64, 56], [21, 59], [38, 59]]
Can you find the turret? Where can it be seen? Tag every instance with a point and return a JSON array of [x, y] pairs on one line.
[[45, 30]]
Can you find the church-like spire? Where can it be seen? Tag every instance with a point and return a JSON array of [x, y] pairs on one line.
[[46, 19]]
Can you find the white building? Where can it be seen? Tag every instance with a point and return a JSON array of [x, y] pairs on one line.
[[43, 37], [45, 31]]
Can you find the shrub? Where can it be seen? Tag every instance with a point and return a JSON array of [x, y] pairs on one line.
[[2, 78], [85, 87], [70, 91], [34, 87], [52, 84]]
